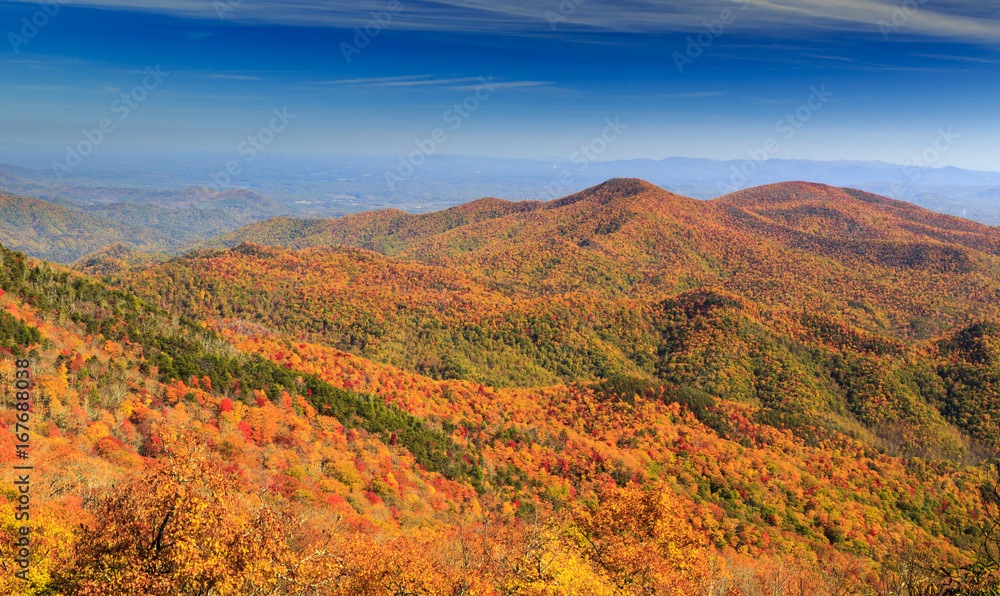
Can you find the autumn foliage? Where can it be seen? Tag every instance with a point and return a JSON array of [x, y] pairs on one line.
[[791, 390]]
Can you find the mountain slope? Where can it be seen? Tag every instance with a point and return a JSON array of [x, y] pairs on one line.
[[829, 246], [286, 465], [802, 299], [852, 214], [58, 234], [116, 259], [66, 223], [380, 231]]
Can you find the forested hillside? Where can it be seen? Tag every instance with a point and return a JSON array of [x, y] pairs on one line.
[[55, 233], [230, 457], [797, 297], [66, 224], [789, 390]]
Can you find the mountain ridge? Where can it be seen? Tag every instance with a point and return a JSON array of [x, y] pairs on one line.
[[627, 278], [395, 231], [67, 229]]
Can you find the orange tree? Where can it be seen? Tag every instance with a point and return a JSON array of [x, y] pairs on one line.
[[182, 528], [641, 539]]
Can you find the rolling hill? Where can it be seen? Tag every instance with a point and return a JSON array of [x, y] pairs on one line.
[[269, 463], [804, 299], [818, 243], [55, 233], [63, 230], [790, 389]]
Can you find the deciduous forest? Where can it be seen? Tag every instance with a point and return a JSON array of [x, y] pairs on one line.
[[790, 390]]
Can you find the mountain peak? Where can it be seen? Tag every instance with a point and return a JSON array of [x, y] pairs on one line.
[[610, 190], [782, 192], [627, 186]]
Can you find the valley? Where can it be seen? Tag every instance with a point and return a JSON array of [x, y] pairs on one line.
[[790, 389]]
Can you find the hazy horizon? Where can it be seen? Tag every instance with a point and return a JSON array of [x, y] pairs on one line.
[[856, 80]]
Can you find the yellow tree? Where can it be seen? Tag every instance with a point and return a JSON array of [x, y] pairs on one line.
[[182, 528], [641, 539]]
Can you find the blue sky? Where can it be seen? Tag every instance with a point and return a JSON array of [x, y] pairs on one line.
[[556, 73]]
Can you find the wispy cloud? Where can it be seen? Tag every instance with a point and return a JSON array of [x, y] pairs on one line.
[[430, 81], [44, 61], [690, 95], [50, 88], [948, 19], [418, 82], [765, 100], [668, 96], [233, 77], [506, 85], [970, 59], [828, 57], [377, 81], [968, 20]]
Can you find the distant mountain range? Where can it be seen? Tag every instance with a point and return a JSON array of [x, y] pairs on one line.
[[324, 186], [435, 235], [76, 220], [63, 223], [964, 193]]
